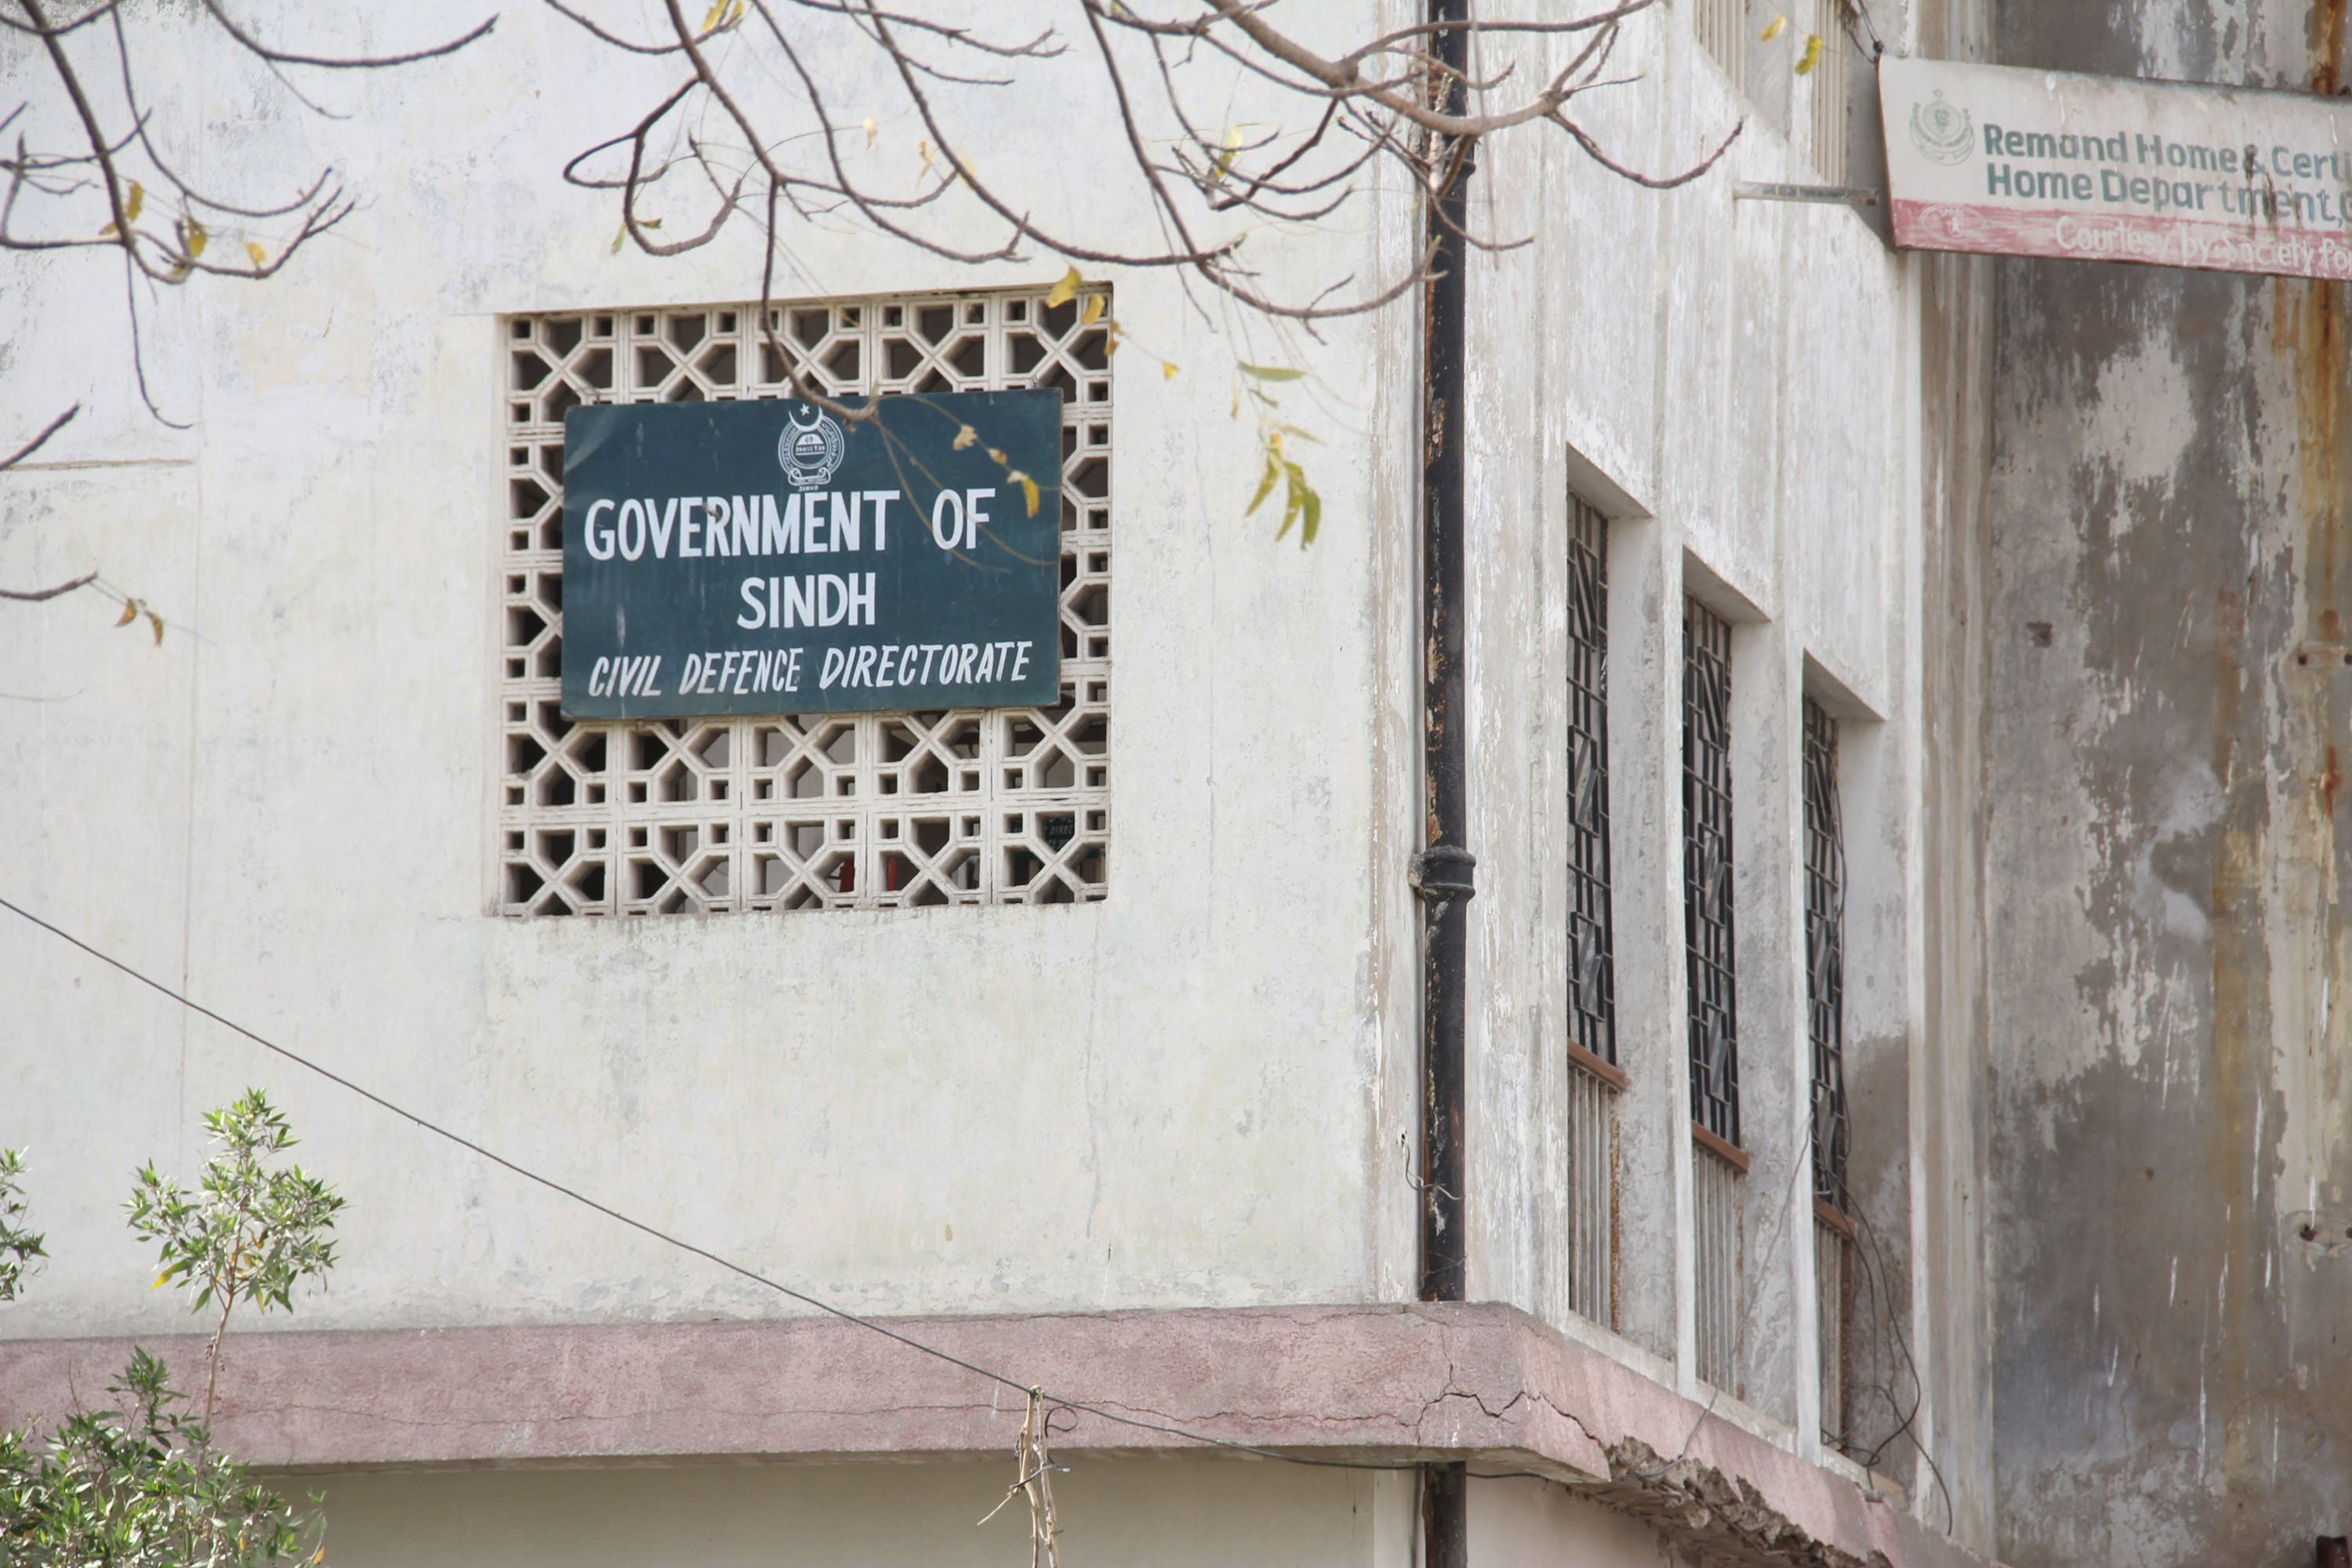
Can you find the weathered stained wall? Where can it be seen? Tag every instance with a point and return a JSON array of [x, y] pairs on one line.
[[1943, 1082], [1191, 1094], [2172, 570]]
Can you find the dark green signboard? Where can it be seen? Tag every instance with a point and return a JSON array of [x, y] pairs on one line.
[[766, 557]]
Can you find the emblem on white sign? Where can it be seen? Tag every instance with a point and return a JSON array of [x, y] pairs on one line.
[[1941, 132]]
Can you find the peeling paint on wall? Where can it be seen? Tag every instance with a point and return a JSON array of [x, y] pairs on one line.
[[2170, 695]]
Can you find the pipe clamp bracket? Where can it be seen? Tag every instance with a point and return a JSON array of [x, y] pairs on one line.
[[1445, 872]]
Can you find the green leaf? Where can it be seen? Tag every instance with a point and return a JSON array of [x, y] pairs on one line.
[[1264, 484], [1294, 497]]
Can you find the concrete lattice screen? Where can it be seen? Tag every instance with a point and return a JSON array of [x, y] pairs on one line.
[[1593, 1152], [1718, 1237], [801, 812], [1830, 108]]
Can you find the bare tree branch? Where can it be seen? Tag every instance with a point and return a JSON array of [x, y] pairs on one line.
[[340, 62], [159, 218], [1386, 102], [37, 442], [35, 596]]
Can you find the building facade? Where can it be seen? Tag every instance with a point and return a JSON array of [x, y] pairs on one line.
[[1821, 930]]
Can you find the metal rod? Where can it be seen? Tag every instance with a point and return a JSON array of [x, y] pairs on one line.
[[1445, 1516], [1443, 871], [1835, 196]]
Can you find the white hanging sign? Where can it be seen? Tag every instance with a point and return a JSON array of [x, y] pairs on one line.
[[2011, 162]]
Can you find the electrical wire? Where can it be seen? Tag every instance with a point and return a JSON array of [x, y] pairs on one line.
[[657, 1233], [843, 1314]]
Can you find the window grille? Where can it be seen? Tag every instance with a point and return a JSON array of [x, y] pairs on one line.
[[1707, 871], [801, 811], [1593, 1195], [1825, 1015], [1825, 953], [1592, 978], [1832, 1275], [1716, 1245], [1830, 108], [1722, 28]]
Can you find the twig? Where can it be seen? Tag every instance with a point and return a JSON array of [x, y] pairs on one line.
[[34, 445]]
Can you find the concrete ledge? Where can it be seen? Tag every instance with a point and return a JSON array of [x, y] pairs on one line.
[[1486, 1383]]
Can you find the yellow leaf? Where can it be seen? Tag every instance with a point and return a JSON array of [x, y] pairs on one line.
[[965, 436], [999, 458], [1812, 55], [132, 204], [161, 1281], [1778, 26], [1065, 290], [157, 622], [871, 132], [1093, 312], [1269, 372], [1265, 484], [1294, 497], [129, 613], [1028, 488], [735, 14], [925, 149], [260, 257], [196, 238], [109, 232], [1167, 371], [710, 18], [1224, 161], [618, 236]]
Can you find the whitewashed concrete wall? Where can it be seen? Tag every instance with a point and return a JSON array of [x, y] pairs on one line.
[[1169, 1514], [1169, 1098], [1190, 1094], [1733, 380]]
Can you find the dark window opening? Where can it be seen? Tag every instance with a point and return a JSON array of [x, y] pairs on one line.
[[1591, 963], [1825, 953], [1708, 927]]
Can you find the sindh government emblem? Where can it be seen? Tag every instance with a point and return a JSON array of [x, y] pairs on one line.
[[1941, 132], [809, 451]]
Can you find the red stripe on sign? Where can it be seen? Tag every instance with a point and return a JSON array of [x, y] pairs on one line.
[[2123, 236]]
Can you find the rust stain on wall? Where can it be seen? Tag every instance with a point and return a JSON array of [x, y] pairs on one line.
[[2327, 27], [2311, 333], [2311, 328]]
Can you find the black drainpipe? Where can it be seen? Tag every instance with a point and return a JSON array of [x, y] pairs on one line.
[[1441, 873]]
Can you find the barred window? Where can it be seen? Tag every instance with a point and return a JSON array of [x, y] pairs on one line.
[[1825, 952], [1593, 1080], [801, 811], [1707, 871], [1832, 113], [1592, 977], [1722, 29]]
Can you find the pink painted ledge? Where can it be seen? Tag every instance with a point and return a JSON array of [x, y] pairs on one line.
[[1483, 1383]]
